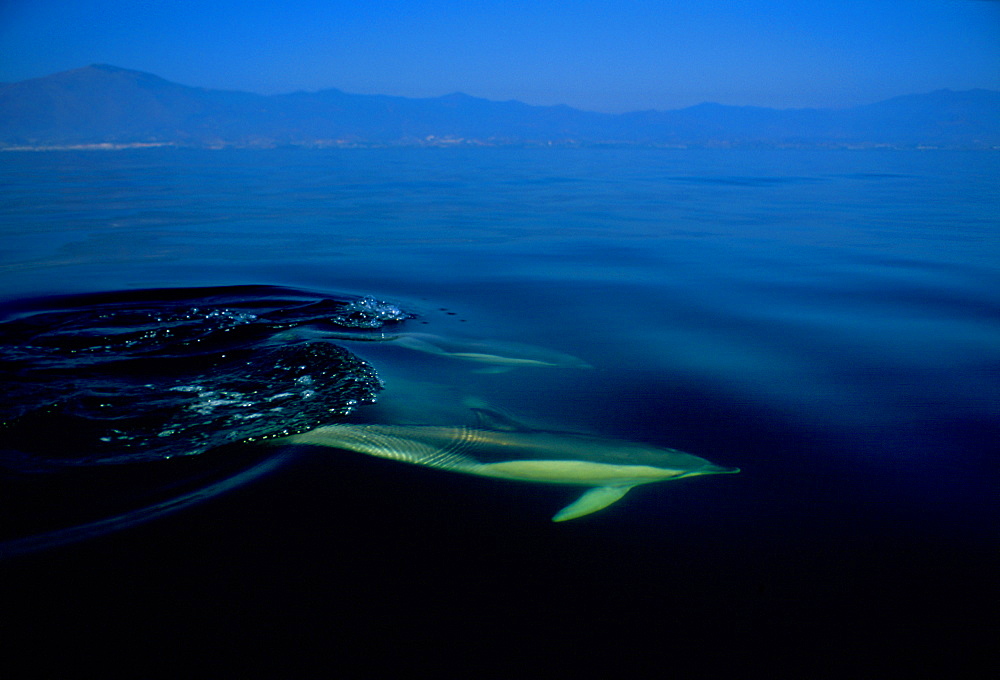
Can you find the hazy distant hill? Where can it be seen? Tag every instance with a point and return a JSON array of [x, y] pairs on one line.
[[105, 104]]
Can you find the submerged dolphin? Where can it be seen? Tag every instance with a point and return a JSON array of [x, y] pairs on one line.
[[496, 356], [501, 448]]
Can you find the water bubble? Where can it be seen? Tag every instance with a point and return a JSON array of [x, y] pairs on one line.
[[369, 312]]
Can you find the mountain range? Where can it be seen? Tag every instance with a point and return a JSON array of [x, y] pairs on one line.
[[111, 106]]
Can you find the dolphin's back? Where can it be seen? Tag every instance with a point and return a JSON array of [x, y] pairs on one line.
[[438, 447], [464, 448]]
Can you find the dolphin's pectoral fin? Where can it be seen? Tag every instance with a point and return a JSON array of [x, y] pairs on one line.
[[592, 500]]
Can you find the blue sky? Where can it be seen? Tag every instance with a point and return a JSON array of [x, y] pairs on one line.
[[600, 55]]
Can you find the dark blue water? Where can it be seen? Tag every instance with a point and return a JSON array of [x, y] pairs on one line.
[[828, 321]]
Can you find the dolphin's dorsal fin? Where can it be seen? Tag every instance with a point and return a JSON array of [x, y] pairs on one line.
[[488, 419], [592, 500]]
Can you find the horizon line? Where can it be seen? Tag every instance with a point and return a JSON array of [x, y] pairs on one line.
[[112, 67]]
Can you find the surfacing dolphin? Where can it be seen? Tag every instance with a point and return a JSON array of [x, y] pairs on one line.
[[502, 448]]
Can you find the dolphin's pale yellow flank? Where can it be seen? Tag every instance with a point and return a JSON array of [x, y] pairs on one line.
[[501, 448]]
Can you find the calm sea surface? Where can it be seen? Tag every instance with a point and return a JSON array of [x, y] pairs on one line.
[[827, 321]]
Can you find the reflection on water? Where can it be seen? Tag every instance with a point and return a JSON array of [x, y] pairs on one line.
[[51, 538]]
